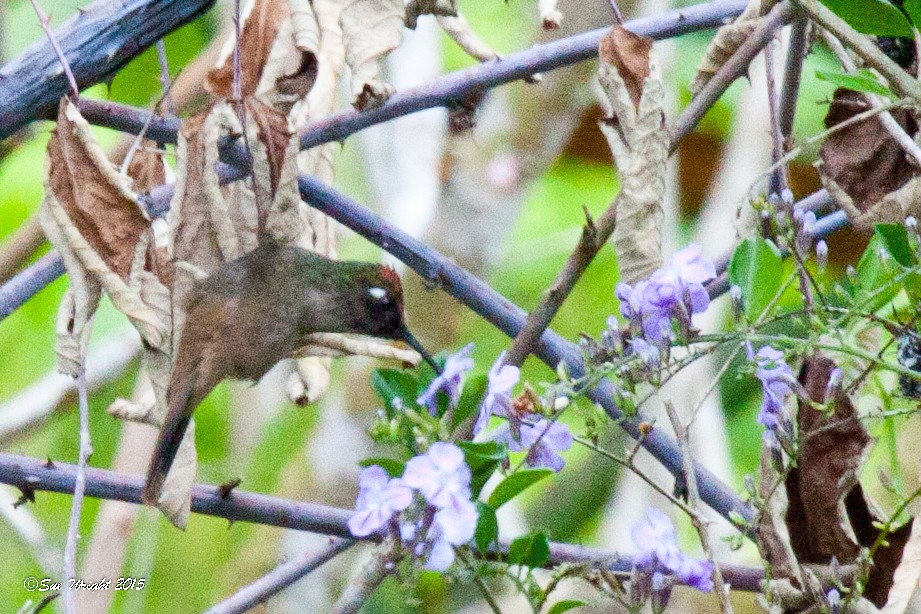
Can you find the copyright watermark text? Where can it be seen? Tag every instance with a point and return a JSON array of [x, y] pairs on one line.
[[44, 585]]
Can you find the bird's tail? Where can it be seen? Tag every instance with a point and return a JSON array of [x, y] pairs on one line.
[[174, 428]]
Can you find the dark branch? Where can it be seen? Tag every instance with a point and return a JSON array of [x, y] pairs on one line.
[[35, 474], [97, 42]]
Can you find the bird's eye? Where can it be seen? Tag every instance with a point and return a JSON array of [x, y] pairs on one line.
[[378, 294]]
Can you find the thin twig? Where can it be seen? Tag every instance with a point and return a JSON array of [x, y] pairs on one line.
[[732, 69], [65, 65], [681, 434], [481, 585], [779, 182], [593, 238], [279, 579], [19, 249], [166, 83], [793, 72], [76, 507], [360, 589]]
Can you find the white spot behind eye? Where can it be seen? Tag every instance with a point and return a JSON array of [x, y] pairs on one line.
[[377, 293]]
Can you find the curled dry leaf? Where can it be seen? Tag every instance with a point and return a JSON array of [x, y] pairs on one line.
[[92, 214], [460, 30], [727, 40], [773, 536], [278, 62], [827, 517], [550, 15], [864, 169], [907, 576], [832, 450], [630, 77], [370, 30], [439, 8]]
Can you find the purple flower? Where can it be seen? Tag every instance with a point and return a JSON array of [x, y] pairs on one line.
[[834, 600], [646, 352], [449, 381], [502, 378], [674, 292], [775, 375], [450, 527], [658, 552], [379, 499], [441, 475], [542, 439]]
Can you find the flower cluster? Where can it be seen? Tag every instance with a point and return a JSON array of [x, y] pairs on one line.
[[672, 294], [776, 378], [658, 554], [429, 507], [525, 431]]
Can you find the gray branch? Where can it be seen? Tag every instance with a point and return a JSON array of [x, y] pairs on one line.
[[97, 42], [32, 475]]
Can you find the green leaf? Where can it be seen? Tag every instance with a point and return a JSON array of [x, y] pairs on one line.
[[894, 238], [393, 467], [530, 550], [913, 8], [471, 398], [390, 384], [487, 526], [861, 81], [483, 460], [876, 17], [515, 484], [872, 276], [565, 605], [757, 268]]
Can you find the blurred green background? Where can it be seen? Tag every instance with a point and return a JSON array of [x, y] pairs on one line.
[[188, 571]]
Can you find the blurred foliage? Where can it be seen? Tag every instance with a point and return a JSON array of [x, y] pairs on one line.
[[193, 569]]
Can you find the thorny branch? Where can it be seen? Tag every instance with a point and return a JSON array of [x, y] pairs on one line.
[[36, 475]]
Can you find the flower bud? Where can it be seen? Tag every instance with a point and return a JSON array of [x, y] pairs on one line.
[[821, 255]]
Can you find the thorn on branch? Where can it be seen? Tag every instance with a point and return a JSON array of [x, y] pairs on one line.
[[44, 20], [49, 464], [227, 487]]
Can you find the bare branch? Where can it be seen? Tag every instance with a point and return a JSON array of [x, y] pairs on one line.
[[242, 506], [97, 42], [735, 67], [359, 590], [279, 579], [681, 434]]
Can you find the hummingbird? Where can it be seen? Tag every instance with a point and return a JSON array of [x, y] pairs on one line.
[[260, 308]]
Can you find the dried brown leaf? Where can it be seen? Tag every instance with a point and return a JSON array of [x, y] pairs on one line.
[[773, 534], [146, 168], [630, 77], [370, 30], [864, 168], [832, 450], [727, 40], [907, 576], [628, 53], [261, 21], [97, 199]]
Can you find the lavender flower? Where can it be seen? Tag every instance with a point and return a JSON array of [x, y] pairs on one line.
[[379, 499], [441, 475], [658, 552], [502, 378], [450, 527], [834, 600], [542, 439], [675, 291], [449, 381], [775, 376]]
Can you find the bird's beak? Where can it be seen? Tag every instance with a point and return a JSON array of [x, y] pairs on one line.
[[414, 344]]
